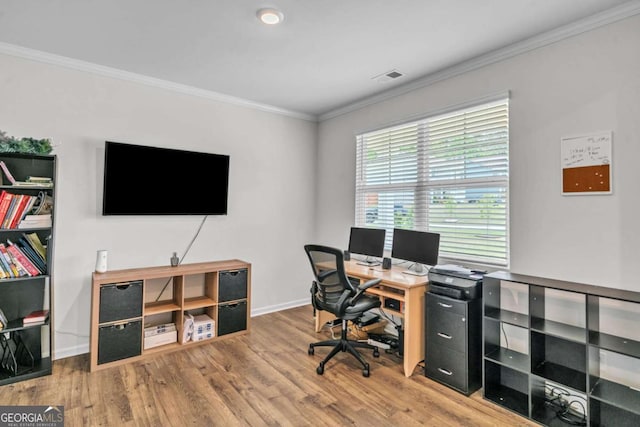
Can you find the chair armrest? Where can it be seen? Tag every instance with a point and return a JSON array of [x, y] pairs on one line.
[[366, 285], [342, 303], [362, 288]]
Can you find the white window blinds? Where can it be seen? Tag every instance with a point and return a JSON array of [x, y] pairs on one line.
[[447, 174]]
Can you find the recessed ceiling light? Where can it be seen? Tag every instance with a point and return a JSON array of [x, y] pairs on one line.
[[270, 16]]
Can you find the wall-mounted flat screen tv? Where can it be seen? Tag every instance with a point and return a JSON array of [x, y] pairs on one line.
[[142, 180]]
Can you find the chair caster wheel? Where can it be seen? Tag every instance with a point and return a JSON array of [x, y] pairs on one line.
[[376, 352], [365, 372], [310, 351], [320, 369]]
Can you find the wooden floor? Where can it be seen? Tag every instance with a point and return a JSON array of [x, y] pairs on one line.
[[265, 378]]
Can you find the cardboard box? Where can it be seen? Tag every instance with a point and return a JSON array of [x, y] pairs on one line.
[[203, 336], [202, 324], [362, 333], [160, 339]]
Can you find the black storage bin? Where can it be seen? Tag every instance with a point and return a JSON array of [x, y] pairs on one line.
[[232, 285], [232, 318], [120, 301], [119, 341]]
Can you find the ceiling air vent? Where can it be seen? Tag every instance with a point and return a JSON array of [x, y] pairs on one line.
[[388, 76]]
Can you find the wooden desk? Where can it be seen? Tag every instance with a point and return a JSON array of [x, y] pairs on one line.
[[406, 288]]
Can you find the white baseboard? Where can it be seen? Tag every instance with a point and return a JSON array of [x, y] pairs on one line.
[[280, 307], [62, 353]]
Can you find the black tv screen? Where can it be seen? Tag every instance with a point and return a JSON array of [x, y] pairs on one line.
[[142, 180]]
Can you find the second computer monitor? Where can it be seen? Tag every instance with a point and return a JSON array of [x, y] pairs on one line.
[[421, 247], [367, 241]]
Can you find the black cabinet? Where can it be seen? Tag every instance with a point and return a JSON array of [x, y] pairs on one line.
[[26, 275], [453, 342]]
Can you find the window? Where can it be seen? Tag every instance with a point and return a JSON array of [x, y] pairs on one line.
[[447, 174]]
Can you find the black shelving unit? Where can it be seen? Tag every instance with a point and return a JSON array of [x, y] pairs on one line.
[[26, 350], [576, 365]]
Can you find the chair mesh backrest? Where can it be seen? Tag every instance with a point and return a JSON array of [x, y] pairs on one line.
[[328, 269]]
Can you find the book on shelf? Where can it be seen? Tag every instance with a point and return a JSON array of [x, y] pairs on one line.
[[9, 260], [35, 221], [5, 200], [21, 209], [22, 271], [10, 209], [37, 245], [35, 259], [32, 178], [6, 265], [32, 184], [21, 263], [21, 258], [5, 169], [38, 316], [24, 241]]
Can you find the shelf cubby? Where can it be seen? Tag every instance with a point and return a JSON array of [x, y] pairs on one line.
[[605, 415], [548, 400], [611, 384], [506, 387], [583, 339], [498, 348]]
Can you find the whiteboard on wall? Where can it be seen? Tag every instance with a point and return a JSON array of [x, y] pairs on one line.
[[586, 164]]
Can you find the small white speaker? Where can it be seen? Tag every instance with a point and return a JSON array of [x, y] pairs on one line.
[[101, 261]]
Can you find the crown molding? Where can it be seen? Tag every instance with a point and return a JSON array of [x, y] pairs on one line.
[[75, 64], [598, 20]]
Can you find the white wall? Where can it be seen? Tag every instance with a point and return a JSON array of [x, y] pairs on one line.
[[587, 83], [271, 190]]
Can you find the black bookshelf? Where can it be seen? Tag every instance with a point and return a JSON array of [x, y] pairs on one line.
[[573, 348]]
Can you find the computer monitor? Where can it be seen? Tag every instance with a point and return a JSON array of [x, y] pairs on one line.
[[368, 242], [420, 247]]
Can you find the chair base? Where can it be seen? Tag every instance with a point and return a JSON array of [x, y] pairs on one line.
[[344, 345]]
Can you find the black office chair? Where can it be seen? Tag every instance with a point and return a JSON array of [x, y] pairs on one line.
[[332, 291]]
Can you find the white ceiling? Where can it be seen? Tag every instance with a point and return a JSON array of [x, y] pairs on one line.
[[320, 59]]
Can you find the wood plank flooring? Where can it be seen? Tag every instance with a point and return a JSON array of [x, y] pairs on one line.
[[264, 378]]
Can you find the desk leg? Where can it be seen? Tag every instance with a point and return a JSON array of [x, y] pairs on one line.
[[413, 328], [322, 317]]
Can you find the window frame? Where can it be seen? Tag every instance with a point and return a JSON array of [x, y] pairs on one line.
[[410, 180]]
